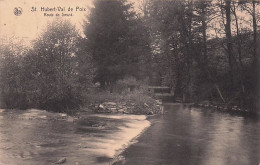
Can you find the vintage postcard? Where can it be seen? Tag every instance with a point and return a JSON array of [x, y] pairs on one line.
[[134, 82]]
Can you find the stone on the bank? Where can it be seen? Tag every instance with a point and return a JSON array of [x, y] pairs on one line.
[[63, 114], [113, 109], [61, 161], [121, 110], [110, 103], [101, 107], [158, 101], [70, 119]]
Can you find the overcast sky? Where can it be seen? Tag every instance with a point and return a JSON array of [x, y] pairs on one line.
[[29, 24]]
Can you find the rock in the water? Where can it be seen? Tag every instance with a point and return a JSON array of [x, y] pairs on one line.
[[61, 161]]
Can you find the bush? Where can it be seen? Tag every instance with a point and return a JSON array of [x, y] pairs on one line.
[[139, 100], [130, 84]]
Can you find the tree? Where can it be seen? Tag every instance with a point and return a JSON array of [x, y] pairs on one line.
[[238, 33], [250, 8], [230, 52], [178, 45], [11, 79], [110, 40], [51, 67]]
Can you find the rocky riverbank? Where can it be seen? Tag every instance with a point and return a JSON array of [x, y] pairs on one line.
[[223, 108], [127, 107]]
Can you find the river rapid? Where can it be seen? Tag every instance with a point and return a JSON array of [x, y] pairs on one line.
[[37, 137]]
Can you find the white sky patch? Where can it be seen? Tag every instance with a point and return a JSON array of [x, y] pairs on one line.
[[30, 24]]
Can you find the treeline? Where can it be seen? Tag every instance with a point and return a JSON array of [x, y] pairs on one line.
[[52, 74], [206, 50], [203, 50]]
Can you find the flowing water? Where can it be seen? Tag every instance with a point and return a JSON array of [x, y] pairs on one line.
[[35, 137], [181, 136], [191, 136]]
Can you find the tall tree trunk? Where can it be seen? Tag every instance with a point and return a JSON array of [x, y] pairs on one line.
[[229, 39], [204, 33], [190, 49], [238, 36], [255, 31], [239, 40], [255, 62]]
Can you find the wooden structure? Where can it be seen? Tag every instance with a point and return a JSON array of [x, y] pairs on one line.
[[163, 93]]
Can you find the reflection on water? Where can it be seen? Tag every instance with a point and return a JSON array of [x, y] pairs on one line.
[[190, 136], [181, 136], [40, 137]]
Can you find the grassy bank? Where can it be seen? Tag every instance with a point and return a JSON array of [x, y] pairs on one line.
[[129, 102]]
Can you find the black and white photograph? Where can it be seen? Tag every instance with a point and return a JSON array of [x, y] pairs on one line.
[[130, 82]]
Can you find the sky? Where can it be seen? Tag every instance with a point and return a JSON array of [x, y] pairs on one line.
[[30, 23]]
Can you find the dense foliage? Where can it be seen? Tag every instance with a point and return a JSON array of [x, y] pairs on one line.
[[206, 49], [49, 75], [203, 50], [113, 39]]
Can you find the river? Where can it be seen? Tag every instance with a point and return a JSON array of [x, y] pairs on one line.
[[191, 136], [181, 136], [35, 137]]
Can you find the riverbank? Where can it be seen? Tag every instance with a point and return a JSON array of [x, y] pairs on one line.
[[136, 102], [224, 108]]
